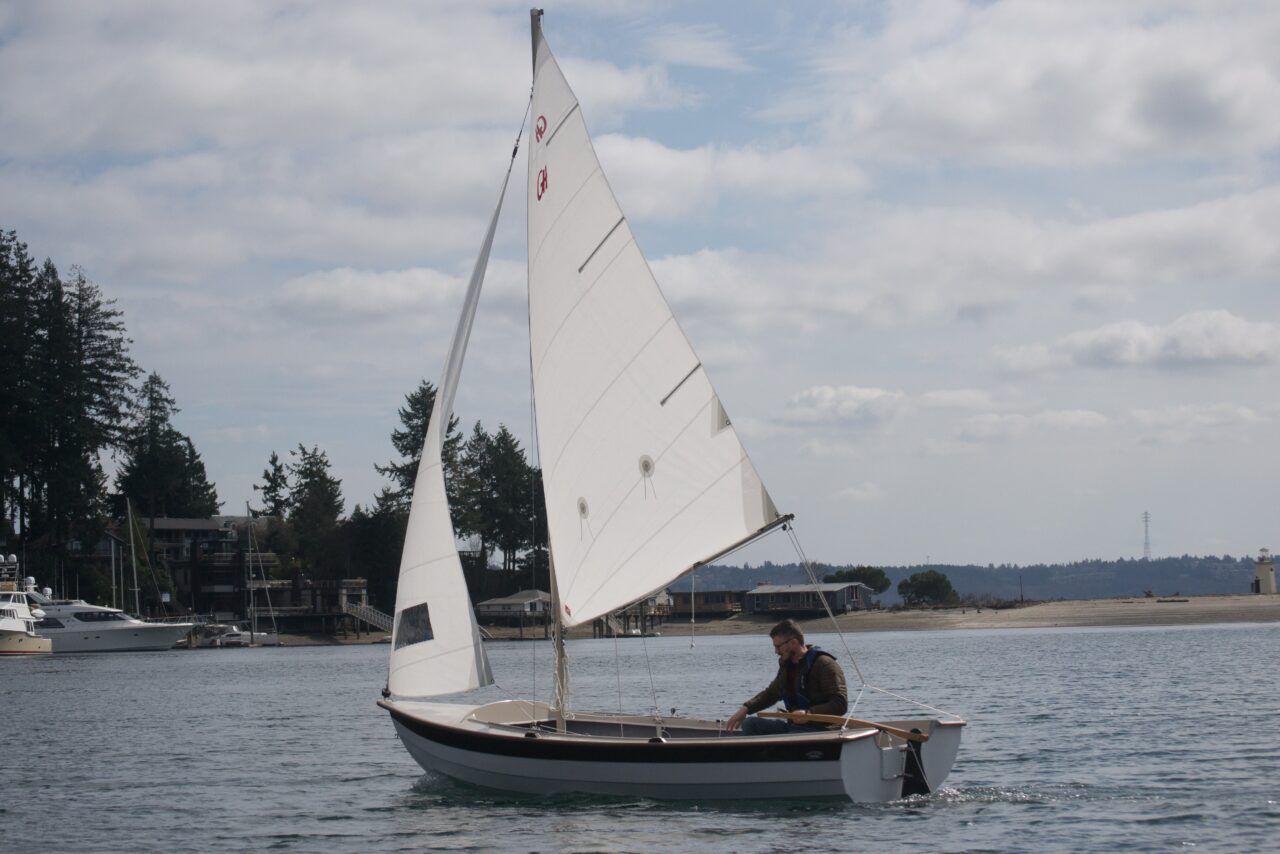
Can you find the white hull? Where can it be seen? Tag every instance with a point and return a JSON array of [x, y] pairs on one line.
[[129, 637], [495, 746]]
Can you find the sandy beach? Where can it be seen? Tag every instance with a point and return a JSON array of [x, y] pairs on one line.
[[1171, 611]]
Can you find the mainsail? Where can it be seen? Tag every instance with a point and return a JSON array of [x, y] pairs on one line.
[[644, 475], [437, 648]]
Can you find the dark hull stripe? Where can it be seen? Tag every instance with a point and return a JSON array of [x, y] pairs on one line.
[[754, 749]]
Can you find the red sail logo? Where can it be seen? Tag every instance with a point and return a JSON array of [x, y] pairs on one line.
[[540, 128], [542, 182]]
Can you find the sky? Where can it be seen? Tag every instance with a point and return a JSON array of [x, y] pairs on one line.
[[978, 282]]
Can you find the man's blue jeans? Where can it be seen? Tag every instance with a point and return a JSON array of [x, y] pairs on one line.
[[752, 725]]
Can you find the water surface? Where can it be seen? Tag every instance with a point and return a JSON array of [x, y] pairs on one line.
[[1079, 739]]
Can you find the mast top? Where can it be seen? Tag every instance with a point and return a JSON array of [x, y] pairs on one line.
[[535, 28]]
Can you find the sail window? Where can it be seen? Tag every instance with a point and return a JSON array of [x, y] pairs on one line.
[[413, 625], [583, 509], [646, 466], [721, 418]]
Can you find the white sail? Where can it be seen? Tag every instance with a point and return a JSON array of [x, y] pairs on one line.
[[436, 646], [644, 475]]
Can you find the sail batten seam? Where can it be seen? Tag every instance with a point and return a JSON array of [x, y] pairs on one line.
[[560, 123], [602, 242]]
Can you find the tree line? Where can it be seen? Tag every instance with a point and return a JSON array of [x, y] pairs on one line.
[[495, 500], [1187, 575], [70, 395]]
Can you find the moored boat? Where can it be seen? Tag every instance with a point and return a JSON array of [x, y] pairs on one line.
[[17, 618], [75, 626]]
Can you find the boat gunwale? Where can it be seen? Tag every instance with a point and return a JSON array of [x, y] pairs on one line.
[[505, 739]]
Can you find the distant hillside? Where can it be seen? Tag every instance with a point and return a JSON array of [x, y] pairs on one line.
[[1092, 579]]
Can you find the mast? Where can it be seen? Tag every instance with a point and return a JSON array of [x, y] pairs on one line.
[[248, 583], [112, 544], [133, 556], [560, 674], [535, 33]]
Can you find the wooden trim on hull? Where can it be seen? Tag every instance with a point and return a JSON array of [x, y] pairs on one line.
[[820, 746]]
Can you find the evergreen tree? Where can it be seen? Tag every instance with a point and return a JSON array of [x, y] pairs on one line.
[[377, 536], [196, 497], [17, 393], [510, 507], [162, 473], [81, 368], [470, 496], [152, 451], [274, 488], [415, 416], [315, 503], [498, 497]]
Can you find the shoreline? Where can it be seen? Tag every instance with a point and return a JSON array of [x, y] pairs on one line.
[[1074, 613]]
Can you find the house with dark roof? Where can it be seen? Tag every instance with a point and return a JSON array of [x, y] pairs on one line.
[[796, 599]]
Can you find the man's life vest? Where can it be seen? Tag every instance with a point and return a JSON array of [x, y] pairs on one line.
[[797, 698]]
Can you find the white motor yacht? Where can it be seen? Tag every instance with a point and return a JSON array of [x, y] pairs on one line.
[[17, 617], [76, 626]]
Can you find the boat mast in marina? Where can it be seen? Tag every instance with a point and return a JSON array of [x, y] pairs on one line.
[[133, 557]]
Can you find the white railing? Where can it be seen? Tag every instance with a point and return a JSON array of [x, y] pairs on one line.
[[372, 616]]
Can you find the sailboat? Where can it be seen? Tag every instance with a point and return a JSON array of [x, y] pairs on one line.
[[645, 479]]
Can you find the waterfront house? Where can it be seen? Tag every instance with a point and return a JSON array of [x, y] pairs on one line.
[[707, 603], [793, 599], [524, 606]]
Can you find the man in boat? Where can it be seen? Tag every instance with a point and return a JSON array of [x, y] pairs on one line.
[[809, 681]]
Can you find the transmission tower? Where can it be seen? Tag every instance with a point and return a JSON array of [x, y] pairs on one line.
[[1146, 535]]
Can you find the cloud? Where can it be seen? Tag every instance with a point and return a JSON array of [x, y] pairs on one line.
[[657, 182], [862, 493], [851, 405], [608, 91], [338, 296], [995, 427], [242, 74], [1199, 415], [956, 398], [1186, 423], [1197, 339], [833, 450], [1052, 83], [700, 46], [734, 290]]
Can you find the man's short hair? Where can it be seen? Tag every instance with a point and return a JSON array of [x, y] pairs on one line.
[[789, 628]]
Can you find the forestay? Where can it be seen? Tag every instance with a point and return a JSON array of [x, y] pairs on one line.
[[644, 475], [436, 641]]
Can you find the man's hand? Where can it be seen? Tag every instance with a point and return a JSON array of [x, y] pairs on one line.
[[735, 720]]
